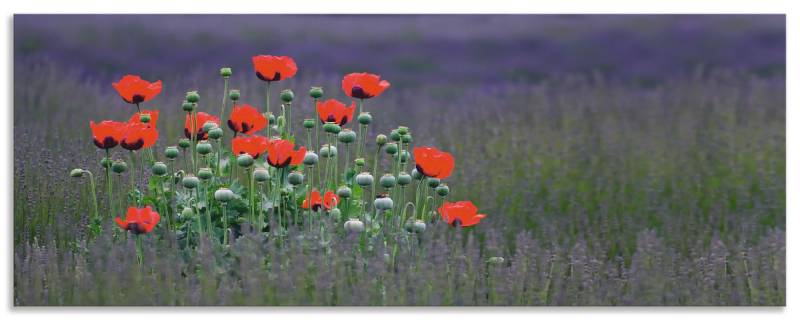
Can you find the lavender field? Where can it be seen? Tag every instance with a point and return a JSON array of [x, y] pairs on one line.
[[620, 160]]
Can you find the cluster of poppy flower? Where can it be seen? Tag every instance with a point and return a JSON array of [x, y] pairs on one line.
[[245, 121]]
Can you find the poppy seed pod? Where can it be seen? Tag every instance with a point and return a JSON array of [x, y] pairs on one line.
[[391, 148], [388, 181], [295, 178], [433, 182], [225, 72], [171, 152], [310, 158], [76, 173], [119, 166], [308, 123], [234, 94], [381, 139], [442, 190], [287, 95], [335, 214], [402, 130], [406, 138], [394, 135], [187, 213], [204, 174], [190, 182], [404, 156], [215, 133], [224, 195], [106, 163], [244, 160], [347, 136], [184, 143], [192, 96], [403, 179], [344, 192], [331, 127], [187, 106], [364, 179], [360, 162], [159, 168], [416, 174], [383, 203], [415, 226], [365, 118], [144, 117], [204, 148], [354, 225], [209, 125], [327, 151], [270, 117], [261, 175], [316, 92]]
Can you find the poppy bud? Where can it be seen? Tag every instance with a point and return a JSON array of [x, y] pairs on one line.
[[244, 160], [171, 152], [187, 106], [391, 148], [394, 135], [406, 138], [187, 213], [388, 181], [433, 182], [360, 162], [310, 159], [402, 130], [331, 127], [215, 133], [442, 190], [144, 117], [364, 179], [204, 148], [383, 203], [335, 213], [261, 175], [106, 162], [415, 226], [309, 123], [380, 140], [316, 92], [354, 225], [344, 192], [76, 173], [327, 151], [403, 179], [204, 174], [416, 174], [287, 95], [190, 182], [224, 195], [184, 143], [347, 136], [497, 261], [192, 96], [119, 166], [404, 156], [234, 94], [295, 178], [270, 117], [365, 118], [281, 121], [225, 72], [159, 169]]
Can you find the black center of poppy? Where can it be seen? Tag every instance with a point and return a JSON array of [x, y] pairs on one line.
[[107, 143], [358, 92], [137, 98], [136, 145], [456, 222]]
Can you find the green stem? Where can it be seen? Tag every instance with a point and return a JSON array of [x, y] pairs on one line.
[[133, 178], [225, 223], [94, 195], [108, 183], [266, 102], [224, 101]]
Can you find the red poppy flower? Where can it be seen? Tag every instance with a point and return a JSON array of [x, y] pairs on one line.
[[281, 153], [139, 135], [433, 162], [107, 134], [461, 213], [202, 118], [329, 202], [139, 220], [246, 119], [133, 89], [363, 85], [135, 118], [254, 145], [274, 68], [332, 110]]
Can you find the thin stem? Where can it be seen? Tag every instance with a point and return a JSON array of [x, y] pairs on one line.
[[108, 182], [94, 194]]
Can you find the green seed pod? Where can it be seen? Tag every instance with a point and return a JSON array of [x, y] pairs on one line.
[[215, 133], [159, 169], [204, 148], [383, 203], [187, 106], [365, 118], [205, 174], [316, 92], [364, 179], [287, 95], [496, 261], [271, 118], [391, 148], [310, 159], [442, 190], [76, 173], [119, 166], [433, 182], [192, 96], [381, 139], [261, 175], [331, 127], [234, 95], [388, 181], [224, 195], [309, 123], [347, 136], [394, 135], [184, 143], [354, 225], [171, 152], [403, 179], [209, 125], [144, 117], [295, 178], [327, 151], [416, 174], [360, 162], [187, 213], [402, 130], [415, 226], [404, 156], [406, 138], [225, 72], [244, 160], [344, 192], [106, 163], [190, 182], [335, 214]]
